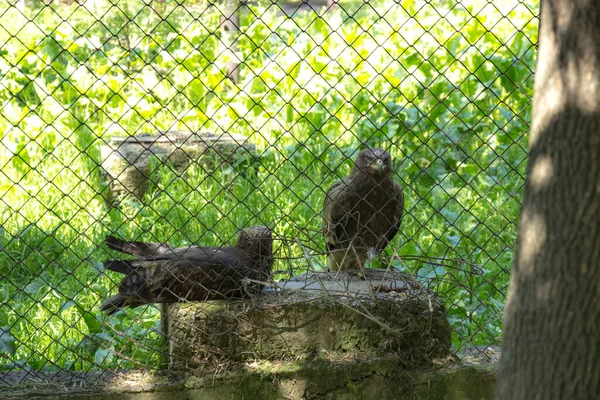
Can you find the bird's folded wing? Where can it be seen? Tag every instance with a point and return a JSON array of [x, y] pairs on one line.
[[396, 217], [140, 249], [176, 280], [338, 202]]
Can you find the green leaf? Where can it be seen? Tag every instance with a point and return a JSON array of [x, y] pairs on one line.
[[430, 272], [103, 355], [90, 320], [67, 305], [33, 287], [7, 341], [454, 239], [92, 323], [469, 169], [21, 160]]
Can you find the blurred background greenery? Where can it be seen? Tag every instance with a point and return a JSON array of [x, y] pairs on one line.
[[445, 87]]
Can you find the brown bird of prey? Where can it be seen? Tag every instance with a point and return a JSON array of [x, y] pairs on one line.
[[163, 274], [362, 211]]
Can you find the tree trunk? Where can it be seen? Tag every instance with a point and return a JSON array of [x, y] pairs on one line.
[[551, 346]]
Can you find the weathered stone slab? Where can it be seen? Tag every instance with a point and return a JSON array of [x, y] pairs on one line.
[[127, 160], [348, 379], [316, 316]]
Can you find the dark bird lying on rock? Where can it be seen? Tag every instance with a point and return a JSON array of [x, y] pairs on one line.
[[163, 274], [362, 211]]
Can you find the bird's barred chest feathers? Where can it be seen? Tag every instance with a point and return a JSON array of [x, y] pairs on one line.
[[379, 215], [375, 199], [372, 216]]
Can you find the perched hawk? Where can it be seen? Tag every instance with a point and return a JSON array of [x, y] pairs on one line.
[[362, 211], [163, 274]]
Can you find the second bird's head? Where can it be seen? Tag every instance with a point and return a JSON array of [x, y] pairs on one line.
[[376, 162], [256, 240]]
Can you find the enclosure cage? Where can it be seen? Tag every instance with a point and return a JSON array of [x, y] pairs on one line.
[[184, 122]]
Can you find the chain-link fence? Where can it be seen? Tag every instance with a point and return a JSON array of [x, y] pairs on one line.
[[97, 99]]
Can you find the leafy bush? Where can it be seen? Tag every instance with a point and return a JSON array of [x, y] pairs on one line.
[[446, 88]]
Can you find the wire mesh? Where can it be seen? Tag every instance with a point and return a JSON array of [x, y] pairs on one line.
[[97, 98]]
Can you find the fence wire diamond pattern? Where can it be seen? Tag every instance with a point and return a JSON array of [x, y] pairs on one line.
[[282, 96]]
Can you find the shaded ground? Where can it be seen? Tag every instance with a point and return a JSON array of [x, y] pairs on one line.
[[379, 378]]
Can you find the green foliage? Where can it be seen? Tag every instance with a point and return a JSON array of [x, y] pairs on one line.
[[446, 88]]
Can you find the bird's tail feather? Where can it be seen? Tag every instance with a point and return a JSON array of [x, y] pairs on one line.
[[122, 266], [140, 249], [113, 304]]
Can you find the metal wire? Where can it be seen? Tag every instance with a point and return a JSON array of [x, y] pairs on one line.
[[280, 97]]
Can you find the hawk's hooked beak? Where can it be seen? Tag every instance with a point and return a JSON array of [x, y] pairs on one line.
[[379, 165]]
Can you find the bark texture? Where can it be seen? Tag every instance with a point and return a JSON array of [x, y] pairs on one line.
[[551, 344]]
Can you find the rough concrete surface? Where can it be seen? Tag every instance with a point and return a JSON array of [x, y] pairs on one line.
[[366, 315], [372, 379], [128, 162], [369, 335]]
